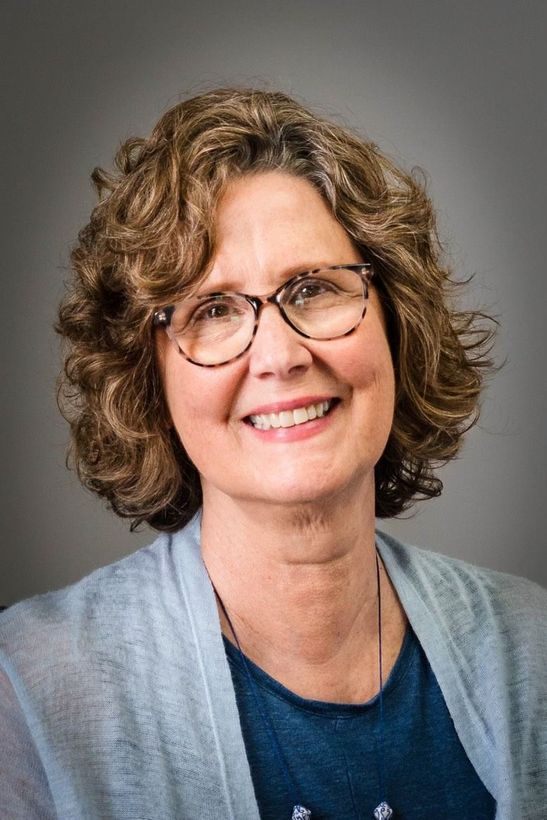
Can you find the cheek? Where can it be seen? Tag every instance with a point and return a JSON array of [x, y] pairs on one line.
[[369, 370], [186, 400], [366, 362], [384, 392], [199, 402], [181, 389]]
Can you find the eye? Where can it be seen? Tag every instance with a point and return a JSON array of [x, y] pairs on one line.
[[308, 290], [217, 311], [213, 312]]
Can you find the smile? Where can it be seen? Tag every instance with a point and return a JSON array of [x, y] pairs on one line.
[[291, 418]]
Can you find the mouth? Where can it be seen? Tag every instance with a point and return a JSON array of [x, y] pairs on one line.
[[292, 418]]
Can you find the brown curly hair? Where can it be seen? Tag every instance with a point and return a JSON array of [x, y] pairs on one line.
[[150, 240]]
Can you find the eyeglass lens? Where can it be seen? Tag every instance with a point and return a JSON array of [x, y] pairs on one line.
[[322, 305]]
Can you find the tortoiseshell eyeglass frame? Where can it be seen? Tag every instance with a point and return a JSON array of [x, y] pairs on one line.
[[162, 316]]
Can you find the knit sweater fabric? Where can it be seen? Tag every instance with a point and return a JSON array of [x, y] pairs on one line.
[[116, 698]]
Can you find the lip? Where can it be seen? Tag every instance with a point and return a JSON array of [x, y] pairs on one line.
[[299, 432], [291, 404]]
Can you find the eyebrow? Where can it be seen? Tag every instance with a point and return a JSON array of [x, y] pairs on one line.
[[227, 285]]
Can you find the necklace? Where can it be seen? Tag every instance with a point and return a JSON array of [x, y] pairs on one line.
[[382, 811]]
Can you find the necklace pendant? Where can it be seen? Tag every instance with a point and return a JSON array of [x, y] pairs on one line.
[[300, 813], [383, 811]]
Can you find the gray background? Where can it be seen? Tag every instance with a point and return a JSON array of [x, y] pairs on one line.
[[458, 88]]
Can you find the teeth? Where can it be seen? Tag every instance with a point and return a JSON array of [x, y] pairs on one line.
[[290, 418], [286, 418], [300, 415]]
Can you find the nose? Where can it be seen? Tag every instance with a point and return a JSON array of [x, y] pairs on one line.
[[277, 349]]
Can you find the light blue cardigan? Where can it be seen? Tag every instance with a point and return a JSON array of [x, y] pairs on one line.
[[117, 700]]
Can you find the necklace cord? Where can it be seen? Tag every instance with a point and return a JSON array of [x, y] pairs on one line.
[[289, 780], [381, 681]]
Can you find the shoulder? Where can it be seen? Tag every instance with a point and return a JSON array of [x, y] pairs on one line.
[[455, 586], [114, 609], [138, 583], [485, 636], [104, 639], [475, 615], [106, 592], [121, 605]]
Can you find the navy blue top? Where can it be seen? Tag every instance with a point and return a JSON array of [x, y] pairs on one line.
[[332, 750]]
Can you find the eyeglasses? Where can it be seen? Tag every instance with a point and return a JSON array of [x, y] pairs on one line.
[[217, 328]]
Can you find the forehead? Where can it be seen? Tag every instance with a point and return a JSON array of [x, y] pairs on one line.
[[274, 224]]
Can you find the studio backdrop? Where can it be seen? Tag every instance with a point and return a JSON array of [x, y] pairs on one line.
[[455, 88]]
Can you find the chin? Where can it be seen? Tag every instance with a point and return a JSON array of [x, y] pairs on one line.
[[309, 490]]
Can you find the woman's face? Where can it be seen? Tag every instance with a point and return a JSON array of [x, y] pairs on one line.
[[269, 227]]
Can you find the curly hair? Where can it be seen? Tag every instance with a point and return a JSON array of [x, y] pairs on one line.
[[150, 240]]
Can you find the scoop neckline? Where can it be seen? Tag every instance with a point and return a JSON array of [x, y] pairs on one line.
[[319, 707]]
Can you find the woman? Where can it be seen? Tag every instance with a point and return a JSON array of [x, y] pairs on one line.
[[263, 357]]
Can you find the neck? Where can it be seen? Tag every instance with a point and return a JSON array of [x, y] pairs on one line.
[[300, 587]]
